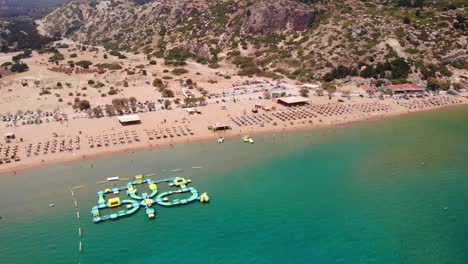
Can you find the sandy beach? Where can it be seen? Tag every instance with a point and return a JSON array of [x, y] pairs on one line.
[[96, 127], [47, 130]]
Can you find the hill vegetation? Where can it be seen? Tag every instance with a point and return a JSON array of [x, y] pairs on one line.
[[301, 40]]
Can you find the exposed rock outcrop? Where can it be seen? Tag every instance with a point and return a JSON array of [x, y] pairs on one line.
[[272, 18]]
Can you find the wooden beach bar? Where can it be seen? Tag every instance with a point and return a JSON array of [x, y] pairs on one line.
[[129, 120]]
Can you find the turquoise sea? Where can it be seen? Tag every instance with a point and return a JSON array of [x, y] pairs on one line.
[[389, 191]]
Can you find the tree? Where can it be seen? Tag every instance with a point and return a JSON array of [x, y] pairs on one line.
[[84, 64], [6, 64], [119, 102], [158, 83], [367, 72], [56, 57], [97, 111], [189, 101], [19, 67], [24, 55], [167, 103], [152, 62], [400, 68], [406, 20], [82, 105], [176, 56], [132, 100], [329, 87], [151, 106], [110, 110], [435, 84], [167, 93], [339, 72], [304, 92]]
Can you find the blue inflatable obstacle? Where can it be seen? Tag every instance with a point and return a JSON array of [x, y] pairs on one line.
[[163, 199], [131, 205], [147, 200]]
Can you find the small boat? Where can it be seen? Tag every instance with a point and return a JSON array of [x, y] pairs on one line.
[[220, 140], [113, 179], [246, 138], [51, 205], [251, 141]]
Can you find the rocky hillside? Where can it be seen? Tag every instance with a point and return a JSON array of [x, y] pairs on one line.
[[299, 39]]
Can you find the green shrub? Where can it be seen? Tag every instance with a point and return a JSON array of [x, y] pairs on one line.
[[57, 57], [167, 93], [176, 56], [82, 105], [19, 67], [179, 71], [436, 84], [112, 92], [110, 66], [84, 63]]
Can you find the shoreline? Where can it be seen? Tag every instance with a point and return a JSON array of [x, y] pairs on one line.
[[228, 135]]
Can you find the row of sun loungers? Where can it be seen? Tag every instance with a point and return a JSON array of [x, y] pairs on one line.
[[429, 102], [9, 154], [53, 146], [308, 112], [251, 120], [169, 132], [113, 139]]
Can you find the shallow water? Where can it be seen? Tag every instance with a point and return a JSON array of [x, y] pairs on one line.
[[390, 191]]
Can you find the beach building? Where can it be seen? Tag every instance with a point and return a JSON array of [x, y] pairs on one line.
[[292, 101], [220, 127], [406, 88], [192, 110], [9, 137], [129, 120]]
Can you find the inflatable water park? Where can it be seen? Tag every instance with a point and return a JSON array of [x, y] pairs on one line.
[[136, 199]]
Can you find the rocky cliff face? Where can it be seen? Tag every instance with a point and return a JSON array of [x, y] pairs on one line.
[[272, 18]]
